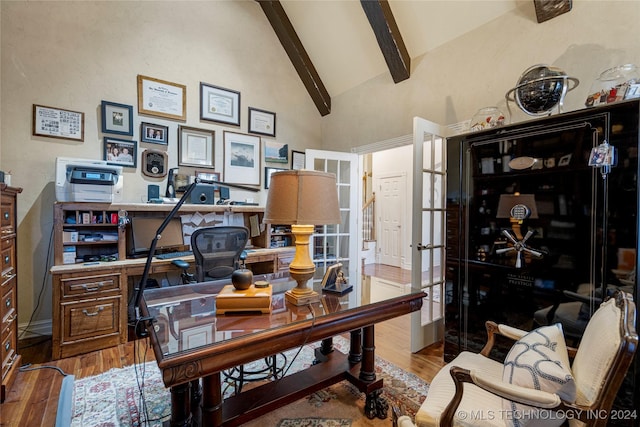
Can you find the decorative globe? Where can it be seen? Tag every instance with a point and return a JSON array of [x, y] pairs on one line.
[[540, 89]]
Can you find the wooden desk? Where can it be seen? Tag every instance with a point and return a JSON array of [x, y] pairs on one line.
[[90, 300], [201, 348]]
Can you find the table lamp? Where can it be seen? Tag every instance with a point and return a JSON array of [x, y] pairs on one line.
[[302, 199]]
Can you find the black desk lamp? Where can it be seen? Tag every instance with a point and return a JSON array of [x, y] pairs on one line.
[[134, 310]]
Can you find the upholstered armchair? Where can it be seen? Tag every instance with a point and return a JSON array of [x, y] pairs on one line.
[[541, 381]]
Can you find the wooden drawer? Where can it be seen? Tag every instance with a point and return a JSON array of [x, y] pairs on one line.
[[8, 351], [8, 309], [90, 286], [284, 260], [91, 319], [8, 258], [7, 214]]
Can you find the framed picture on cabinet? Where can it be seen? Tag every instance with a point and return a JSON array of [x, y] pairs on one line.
[[218, 104]]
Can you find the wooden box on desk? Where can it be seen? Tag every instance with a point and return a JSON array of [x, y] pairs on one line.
[[253, 299]]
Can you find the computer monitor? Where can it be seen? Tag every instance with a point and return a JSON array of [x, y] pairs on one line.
[[142, 231]]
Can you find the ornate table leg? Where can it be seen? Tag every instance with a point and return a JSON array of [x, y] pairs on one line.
[[181, 405], [211, 400], [375, 405]]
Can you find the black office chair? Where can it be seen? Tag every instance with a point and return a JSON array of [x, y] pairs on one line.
[[217, 251]]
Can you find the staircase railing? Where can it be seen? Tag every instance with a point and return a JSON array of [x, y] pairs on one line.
[[368, 220]]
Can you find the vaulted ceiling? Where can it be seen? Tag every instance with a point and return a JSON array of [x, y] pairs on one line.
[[336, 45]]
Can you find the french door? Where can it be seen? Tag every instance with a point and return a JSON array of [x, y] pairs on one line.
[[428, 231], [339, 242]]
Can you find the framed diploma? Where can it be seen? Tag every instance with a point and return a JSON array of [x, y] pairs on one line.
[[220, 105], [262, 122], [58, 123], [195, 147], [161, 98]]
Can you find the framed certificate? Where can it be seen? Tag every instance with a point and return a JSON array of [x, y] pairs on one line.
[[58, 123], [162, 98], [218, 104]]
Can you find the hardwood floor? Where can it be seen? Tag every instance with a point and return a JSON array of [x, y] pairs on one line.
[[33, 399]]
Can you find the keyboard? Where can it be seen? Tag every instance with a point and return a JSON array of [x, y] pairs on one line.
[[169, 255]]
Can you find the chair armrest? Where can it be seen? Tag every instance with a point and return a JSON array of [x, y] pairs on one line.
[[524, 395], [494, 329]]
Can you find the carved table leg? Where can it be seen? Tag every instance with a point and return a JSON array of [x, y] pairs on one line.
[[375, 404], [211, 400], [180, 405]]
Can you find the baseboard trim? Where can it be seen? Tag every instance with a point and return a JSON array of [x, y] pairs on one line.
[[36, 329]]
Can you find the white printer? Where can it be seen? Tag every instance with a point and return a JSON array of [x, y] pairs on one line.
[[85, 180]]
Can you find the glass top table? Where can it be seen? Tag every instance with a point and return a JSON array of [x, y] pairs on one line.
[[193, 343]]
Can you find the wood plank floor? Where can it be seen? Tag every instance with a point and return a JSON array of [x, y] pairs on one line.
[[33, 399]]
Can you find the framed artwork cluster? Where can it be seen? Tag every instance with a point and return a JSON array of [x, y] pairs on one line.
[[242, 153]]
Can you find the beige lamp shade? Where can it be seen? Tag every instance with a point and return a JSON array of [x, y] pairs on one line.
[[302, 197]]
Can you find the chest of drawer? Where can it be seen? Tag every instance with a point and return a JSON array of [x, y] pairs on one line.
[[90, 319], [90, 286]]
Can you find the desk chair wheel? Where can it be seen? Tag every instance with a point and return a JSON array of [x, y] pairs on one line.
[[187, 277]]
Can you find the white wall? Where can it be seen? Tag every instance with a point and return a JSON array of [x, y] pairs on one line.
[[73, 55], [449, 84]]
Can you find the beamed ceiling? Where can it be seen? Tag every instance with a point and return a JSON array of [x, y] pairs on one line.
[[336, 45]]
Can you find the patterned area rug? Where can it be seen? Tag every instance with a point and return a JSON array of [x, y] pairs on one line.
[[94, 397]]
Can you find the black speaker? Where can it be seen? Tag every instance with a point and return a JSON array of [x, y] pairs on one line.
[[224, 193], [153, 192], [202, 194]]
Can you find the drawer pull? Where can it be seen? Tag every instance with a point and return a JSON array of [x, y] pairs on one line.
[[12, 318], [7, 258], [86, 313], [90, 287], [7, 276], [8, 302], [7, 346], [6, 215]]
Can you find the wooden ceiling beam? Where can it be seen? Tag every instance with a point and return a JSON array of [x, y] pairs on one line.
[[389, 38], [297, 54]]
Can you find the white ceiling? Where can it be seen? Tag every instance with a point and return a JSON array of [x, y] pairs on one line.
[[340, 42]]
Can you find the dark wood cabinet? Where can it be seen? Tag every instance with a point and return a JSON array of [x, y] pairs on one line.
[[10, 359], [578, 231]]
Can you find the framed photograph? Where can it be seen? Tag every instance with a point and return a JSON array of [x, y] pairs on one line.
[[218, 104], [58, 123], [154, 134], [262, 122], [276, 152], [297, 160], [241, 158], [117, 118], [267, 175], [120, 152], [195, 147], [162, 98]]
